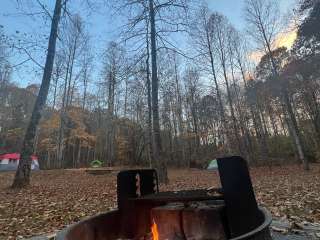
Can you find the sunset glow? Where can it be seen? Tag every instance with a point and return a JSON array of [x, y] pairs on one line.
[[282, 40], [286, 39]]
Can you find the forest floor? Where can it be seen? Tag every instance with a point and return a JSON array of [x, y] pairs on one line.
[[58, 198]]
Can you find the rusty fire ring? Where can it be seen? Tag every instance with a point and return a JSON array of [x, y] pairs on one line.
[[261, 232]]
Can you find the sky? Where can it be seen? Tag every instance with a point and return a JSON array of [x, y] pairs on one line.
[[101, 25]]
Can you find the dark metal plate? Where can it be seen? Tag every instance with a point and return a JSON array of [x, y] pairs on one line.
[[242, 210]]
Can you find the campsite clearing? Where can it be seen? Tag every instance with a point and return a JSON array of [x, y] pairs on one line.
[[58, 198]]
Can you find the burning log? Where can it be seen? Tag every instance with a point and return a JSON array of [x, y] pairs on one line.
[[197, 221], [203, 221], [167, 222]]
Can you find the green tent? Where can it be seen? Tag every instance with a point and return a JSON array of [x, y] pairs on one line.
[[212, 164], [96, 164]]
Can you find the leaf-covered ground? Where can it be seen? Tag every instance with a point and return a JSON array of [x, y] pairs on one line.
[[60, 197]]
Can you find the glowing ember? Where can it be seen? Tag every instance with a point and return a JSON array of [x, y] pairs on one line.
[[154, 230]]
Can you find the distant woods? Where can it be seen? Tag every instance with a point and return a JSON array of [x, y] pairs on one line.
[[147, 100]]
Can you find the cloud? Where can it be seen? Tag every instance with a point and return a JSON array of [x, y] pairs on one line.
[[283, 39], [286, 39]]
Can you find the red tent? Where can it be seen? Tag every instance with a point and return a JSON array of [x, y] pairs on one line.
[[15, 156], [10, 161]]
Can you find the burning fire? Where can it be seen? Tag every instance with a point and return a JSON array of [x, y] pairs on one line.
[[154, 230]]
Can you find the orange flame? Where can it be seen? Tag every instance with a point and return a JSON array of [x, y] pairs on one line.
[[154, 230]]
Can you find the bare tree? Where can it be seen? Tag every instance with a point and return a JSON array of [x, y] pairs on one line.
[[237, 95], [22, 177], [222, 40], [240, 53], [162, 22], [192, 85], [57, 74], [179, 108], [150, 133], [157, 150], [262, 17], [203, 37], [5, 68], [113, 74], [87, 64]]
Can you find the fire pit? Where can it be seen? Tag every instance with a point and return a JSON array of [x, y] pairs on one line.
[[230, 212]]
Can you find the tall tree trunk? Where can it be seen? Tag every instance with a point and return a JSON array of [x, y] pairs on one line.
[[272, 120], [79, 155], [150, 136], [55, 92], [291, 120], [69, 91], [110, 122], [85, 86], [195, 125], [310, 99], [262, 135], [48, 160], [243, 127], [263, 146], [224, 68], [293, 130], [179, 113], [161, 163], [88, 156], [126, 98], [221, 108], [22, 177], [63, 118]]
